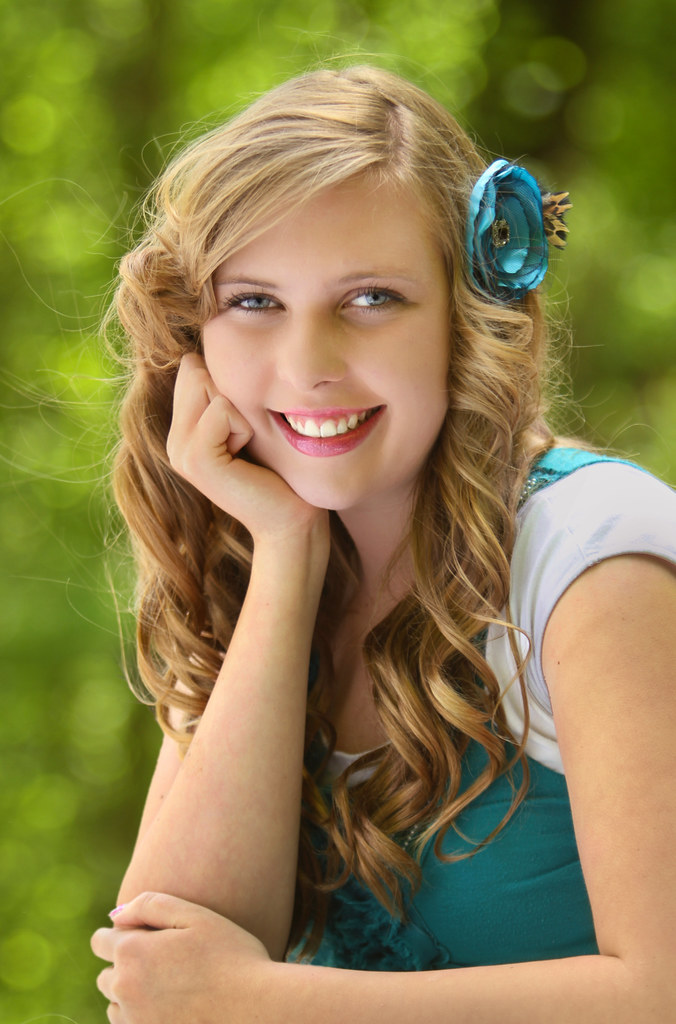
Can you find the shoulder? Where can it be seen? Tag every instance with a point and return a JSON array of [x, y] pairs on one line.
[[599, 511], [596, 511], [598, 507]]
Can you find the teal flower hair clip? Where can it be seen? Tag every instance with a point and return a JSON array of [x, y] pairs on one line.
[[509, 225]]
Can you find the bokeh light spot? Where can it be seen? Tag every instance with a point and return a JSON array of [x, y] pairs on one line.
[[563, 56], [28, 123], [25, 960], [533, 90], [49, 802]]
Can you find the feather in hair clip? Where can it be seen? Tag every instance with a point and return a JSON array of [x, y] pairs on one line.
[[554, 207]]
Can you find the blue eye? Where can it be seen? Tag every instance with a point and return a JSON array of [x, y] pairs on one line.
[[374, 298], [252, 302]]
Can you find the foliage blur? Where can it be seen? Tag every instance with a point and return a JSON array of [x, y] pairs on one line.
[[95, 95]]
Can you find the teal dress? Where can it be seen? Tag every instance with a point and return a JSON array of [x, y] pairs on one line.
[[520, 898]]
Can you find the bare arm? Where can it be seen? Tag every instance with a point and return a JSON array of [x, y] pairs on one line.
[[609, 657], [221, 828], [610, 663]]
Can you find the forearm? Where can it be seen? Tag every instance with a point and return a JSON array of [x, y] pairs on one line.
[[580, 990], [226, 834]]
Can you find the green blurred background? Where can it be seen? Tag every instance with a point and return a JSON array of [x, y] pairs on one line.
[[95, 95]]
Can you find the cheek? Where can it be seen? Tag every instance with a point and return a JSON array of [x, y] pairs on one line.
[[234, 375], [426, 354], [211, 350]]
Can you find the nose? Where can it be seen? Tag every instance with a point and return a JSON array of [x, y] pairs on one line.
[[311, 352]]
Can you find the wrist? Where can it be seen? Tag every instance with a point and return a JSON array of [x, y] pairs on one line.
[[301, 549], [278, 999]]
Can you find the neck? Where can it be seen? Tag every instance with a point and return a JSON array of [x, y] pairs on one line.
[[377, 534]]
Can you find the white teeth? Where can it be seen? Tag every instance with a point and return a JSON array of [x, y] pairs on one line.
[[326, 428]]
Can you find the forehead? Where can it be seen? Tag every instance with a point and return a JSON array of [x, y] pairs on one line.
[[351, 223]]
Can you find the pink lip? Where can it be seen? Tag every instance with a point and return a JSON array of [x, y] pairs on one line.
[[321, 447]]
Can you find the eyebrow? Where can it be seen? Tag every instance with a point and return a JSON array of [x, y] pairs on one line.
[[384, 272], [244, 279], [355, 275]]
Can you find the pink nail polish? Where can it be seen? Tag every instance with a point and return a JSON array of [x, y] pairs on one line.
[[117, 910]]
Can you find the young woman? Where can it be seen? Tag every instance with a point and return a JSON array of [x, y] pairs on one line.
[[413, 657]]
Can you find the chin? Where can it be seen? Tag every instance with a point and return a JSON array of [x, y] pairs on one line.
[[322, 497]]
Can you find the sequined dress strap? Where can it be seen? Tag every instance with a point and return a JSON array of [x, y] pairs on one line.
[[558, 463]]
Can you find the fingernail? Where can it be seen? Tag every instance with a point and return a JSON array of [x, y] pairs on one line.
[[117, 910]]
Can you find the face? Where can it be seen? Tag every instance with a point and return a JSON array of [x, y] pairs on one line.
[[332, 340]]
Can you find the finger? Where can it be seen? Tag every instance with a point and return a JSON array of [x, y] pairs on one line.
[[104, 983], [103, 943], [206, 453], [193, 362], [193, 390], [221, 424], [193, 375], [202, 414], [240, 429], [157, 910]]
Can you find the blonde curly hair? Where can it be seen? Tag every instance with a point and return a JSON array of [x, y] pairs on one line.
[[432, 685]]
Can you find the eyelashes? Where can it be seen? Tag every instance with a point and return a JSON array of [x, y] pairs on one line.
[[368, 299], [251, 302], [380, 297]]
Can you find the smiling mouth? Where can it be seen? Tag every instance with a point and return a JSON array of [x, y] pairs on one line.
[[328, 426]]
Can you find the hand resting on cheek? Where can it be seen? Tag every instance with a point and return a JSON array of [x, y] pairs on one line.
[[207, 432]]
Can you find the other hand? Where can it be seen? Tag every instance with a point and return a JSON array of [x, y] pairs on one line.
[[174, 962]]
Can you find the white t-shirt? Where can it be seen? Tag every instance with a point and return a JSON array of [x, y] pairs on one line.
[[596, 512]]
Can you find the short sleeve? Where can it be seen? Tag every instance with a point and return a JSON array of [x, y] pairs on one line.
[[599, 511]]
